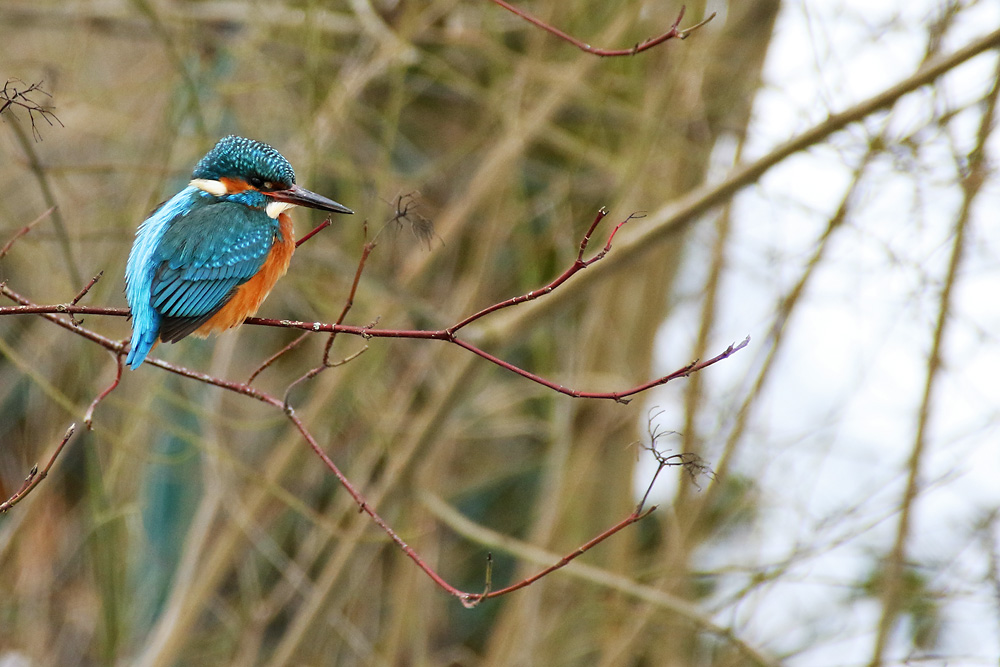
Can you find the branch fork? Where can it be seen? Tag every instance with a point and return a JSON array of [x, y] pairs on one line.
[[56, 314]]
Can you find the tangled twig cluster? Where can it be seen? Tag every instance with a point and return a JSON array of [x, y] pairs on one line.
[[14, 96]]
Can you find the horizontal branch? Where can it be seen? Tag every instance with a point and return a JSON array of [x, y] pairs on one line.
[[372, 332], [447, 335]]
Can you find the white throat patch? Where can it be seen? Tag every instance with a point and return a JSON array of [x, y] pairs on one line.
[[276, 208]]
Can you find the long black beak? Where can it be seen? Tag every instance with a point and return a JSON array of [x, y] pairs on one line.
[[301, 197]]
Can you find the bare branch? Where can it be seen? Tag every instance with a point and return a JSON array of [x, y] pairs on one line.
[[315, 230], [673, 32], [446, 335], [88, 418], [366, 251], [36, 476], [82, 293], [277, 355], [692, 464], [452, 518], [118, 348], [86, 288], [24, 230], [57, 313]]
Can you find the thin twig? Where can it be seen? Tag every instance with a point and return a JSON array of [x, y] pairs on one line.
[[82, 293], [277, 355], [366, 251], [315, 230], [577, 266], [692, 463], [567, 559], [86, 288], [673, 32], [36, 476], [24, 230], [611, 581], [638, 514], [88, 418]]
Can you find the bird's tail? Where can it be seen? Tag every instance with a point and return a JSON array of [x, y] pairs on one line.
[[143, 342]]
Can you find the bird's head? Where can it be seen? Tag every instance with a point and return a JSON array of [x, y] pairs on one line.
[[255, 174]]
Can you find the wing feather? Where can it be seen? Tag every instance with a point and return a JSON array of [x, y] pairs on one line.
[[203, 257]]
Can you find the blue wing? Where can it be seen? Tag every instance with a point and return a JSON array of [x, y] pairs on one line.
[[184, 268], [202, 258]]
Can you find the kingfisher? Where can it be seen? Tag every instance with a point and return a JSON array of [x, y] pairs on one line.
[[207, 258]]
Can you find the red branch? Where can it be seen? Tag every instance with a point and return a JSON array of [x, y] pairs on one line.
[[57, 314], [472, 599], [36, 476], [674, 32], [277, 355], [86, 288], [24, 230], [88, 418], [82, 293], [315, 230], [366, 251], [448, 334]]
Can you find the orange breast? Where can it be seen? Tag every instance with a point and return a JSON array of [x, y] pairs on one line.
[[252, 293]]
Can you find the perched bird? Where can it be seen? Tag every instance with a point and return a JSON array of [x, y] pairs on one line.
[[208, 257]]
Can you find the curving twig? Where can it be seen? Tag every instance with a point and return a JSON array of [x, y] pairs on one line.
[[366, 251], [673, 32], [24, 230], [88, 418], [36, 476], [691, 463]]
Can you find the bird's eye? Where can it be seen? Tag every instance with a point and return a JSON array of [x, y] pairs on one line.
[[256, 181]]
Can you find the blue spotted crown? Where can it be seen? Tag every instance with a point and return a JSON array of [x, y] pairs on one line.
[[244, 158]]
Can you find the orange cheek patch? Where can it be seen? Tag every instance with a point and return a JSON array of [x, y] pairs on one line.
[[234, 185]]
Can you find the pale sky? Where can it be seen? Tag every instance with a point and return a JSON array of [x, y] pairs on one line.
[[828, 446]]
